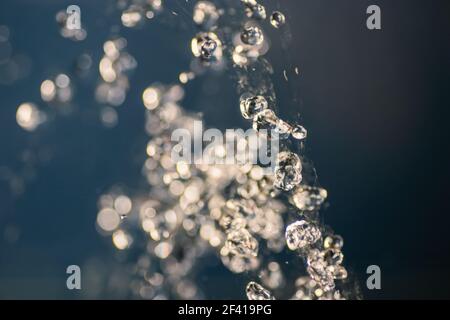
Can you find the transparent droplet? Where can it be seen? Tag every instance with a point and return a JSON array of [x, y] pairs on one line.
[[232, 220], [205, 14], [299, 132], [108, 219], [252, 36], [265, 119], [333, 257], [283, 129], [29, 117], [241, 242], [319, 270], [309, 198], [121, 239], [333, 241], [59, 90], [272, 276], [257, 292], [301, 234], [340, 273], [207, 48], [48, 90], [277, 19], [133, 16], [109, 117], [288, 170], [256, 11], [252, 106]]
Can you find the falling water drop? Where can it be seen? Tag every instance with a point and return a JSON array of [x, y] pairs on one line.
[[252, 106], [277, 19], [252, 36]]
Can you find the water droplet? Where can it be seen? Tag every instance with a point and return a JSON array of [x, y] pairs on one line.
[[252, 106], [333, 241], [29, 117], [265, 119], [205, 14], [256, 11], [132, 17], [287, 171], [232, 220], [257, 292], [333, 257], [277, 19], [207, 48], [340, 273], [283, 129], [301, 234], [319, 271], [309, 198], [252, 36], [241, 242], [299, 132]]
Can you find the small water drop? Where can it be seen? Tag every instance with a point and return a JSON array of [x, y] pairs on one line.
[[241, 242], [287, 171], [257, 292], [301, 234], [207, 48], [256, 11], [299, 132], [309, 198], [277, 19], [252, 36], [251, 106], [205, 14]]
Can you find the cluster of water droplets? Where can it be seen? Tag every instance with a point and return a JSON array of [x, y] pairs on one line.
[[188, 211], [135, 12]]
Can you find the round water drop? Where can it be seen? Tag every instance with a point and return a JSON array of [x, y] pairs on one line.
[[308, 198], [301, 234], [256, 11], [28, 116], [242, 243], [252, 106], [252, 36], [207, 48], [333, 241], [299, 132], [287, 171], [205, 14], [277, 19]]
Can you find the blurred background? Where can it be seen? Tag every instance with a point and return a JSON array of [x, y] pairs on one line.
[[375, 103]]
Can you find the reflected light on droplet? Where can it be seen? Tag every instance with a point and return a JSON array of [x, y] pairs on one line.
[[28, 116], [123, 205], [48, 90], [151, 97], [108, 219], [163, 249], [121, 240]]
